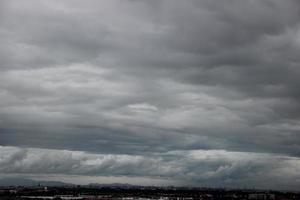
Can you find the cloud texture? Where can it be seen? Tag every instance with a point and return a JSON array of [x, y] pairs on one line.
[[206, 167], [128, 83]]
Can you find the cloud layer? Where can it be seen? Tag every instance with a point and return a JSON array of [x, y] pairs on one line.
[[204, 167], [139, 79]]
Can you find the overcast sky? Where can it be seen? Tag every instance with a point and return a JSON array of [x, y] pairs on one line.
[[160, 92]]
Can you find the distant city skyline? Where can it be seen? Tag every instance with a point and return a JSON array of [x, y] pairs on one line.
[[161, 92]]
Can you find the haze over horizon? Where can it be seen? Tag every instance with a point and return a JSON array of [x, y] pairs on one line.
[[161, 92]]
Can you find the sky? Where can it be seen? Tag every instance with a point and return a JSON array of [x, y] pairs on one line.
[[161, 92]]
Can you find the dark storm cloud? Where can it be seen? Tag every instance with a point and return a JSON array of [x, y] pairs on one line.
[[150, 77]]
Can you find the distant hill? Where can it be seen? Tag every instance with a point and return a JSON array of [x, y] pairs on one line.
[[113, 185], [29, 182]]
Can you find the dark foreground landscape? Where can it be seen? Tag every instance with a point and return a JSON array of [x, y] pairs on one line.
[[124, 192]]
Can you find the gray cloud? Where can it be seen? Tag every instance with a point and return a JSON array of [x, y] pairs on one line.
[[233, 169], [143, 78]]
